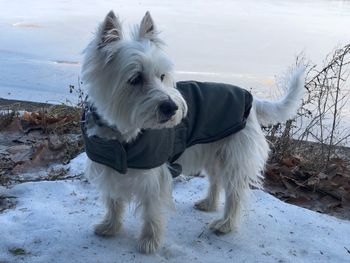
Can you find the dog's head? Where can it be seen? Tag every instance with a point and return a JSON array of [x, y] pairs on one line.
[[129, 79]]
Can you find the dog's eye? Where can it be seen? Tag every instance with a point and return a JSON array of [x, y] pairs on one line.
[[162, 77], [136, 80]]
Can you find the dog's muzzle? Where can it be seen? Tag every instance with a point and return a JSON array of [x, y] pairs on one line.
[[167, 109]]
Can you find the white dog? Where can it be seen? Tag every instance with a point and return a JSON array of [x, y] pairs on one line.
[[131, 93]]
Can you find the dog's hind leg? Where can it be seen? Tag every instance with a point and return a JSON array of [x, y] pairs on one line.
[[210, 202], [235, 194], [243, 158], [113, 218]]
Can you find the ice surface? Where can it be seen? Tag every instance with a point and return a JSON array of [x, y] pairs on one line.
[[241, 42]]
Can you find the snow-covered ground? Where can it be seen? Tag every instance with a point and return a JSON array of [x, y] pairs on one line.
[[52, 222]]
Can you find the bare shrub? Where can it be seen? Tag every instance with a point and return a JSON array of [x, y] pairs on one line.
[[319, 130]]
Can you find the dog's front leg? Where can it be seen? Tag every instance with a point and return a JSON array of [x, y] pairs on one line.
[[153, 226], [155, 198], [113, 218]]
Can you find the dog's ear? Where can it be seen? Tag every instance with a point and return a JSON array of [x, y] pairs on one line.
[[148, 29], [110, 29]]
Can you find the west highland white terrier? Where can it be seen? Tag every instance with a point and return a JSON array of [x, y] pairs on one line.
[[141, 127]]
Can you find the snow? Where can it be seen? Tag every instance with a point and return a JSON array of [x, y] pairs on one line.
[[240, 42], [53, 222]]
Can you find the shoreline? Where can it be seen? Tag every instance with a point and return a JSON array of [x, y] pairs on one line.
[[22, 105], [293, 179]]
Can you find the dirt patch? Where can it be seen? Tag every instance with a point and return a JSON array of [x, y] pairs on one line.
[[34, 141], [7, 203]]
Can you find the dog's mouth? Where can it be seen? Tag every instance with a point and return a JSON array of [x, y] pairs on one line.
[[165, 119], [165, 122], [168, 119]]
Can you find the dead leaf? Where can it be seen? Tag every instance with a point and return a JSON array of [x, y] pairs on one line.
[[290, 161], [298, 200], [330, 202], [322, 176]]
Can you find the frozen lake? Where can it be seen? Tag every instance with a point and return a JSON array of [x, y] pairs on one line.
[[241, 42]]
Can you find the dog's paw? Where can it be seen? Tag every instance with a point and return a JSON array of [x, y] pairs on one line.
[[204, 205], [148, 245], [106, 228], [221, 226]]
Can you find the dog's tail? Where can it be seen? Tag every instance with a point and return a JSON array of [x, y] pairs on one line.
[[273, 112]]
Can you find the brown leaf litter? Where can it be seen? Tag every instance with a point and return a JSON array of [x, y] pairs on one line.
[[327, 191], [32, 141]]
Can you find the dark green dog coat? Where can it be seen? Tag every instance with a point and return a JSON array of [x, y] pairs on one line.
[[214, 112]]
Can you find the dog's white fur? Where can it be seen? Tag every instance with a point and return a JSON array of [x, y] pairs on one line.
[[234, 163]]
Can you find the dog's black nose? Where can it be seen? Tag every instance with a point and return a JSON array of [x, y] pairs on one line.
[[168, 108]]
